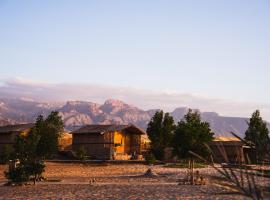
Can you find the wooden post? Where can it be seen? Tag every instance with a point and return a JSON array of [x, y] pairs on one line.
[[35, 178], [192, 171]]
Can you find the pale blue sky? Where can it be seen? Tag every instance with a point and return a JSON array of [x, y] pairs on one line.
[[218, 48]]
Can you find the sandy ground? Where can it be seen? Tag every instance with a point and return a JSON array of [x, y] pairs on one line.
[[123, 181]]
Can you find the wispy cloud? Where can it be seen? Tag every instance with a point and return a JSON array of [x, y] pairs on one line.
[[145, 99]]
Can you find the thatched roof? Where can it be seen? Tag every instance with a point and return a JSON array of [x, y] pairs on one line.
[[226, 139], [15, 128], [108, 128], [223, 141]]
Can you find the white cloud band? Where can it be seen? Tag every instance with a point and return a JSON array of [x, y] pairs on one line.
[[145, 99]]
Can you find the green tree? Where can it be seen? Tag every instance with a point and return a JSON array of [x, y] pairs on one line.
[[49, 131], [192, 134], [32, 149], [160, 131], [257, 134]]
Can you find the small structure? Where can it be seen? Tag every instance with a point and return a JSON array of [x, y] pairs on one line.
[[227, 150], [8, 133], [109, 142]]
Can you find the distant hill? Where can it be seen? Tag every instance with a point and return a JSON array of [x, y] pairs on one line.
[[79, 113]]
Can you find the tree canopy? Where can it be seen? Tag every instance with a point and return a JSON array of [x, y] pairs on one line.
[[191, 134], [257, 129], [160, 131], [49, 131], [257, 134]]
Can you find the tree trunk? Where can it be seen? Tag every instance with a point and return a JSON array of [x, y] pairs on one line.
[[192, 171], [35, 178]]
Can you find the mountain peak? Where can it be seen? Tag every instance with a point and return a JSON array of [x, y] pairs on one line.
[[181, 109], [114, 102], [210, 114], [73, 103]]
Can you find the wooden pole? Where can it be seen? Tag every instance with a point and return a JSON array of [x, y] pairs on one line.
[[192, 171]]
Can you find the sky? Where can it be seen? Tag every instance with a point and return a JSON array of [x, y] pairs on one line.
[[142, 51]]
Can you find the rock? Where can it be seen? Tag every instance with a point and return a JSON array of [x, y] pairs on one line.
[[150, 173]]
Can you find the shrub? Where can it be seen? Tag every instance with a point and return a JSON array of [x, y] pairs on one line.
[[19, 174], [81, 153], [24, 172], [150, 159]]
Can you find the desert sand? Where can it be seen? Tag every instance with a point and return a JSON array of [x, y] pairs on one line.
[[122, 181]]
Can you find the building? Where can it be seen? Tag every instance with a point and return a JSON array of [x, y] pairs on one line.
[[117, 142], [8, 133], [227, 150]]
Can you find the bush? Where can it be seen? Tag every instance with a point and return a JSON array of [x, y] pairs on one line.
[[19, 174], [81, 153], [150, 159], [23, 172], [36, 170], [6, 154]]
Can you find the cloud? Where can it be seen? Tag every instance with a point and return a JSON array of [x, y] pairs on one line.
[[145, 99]]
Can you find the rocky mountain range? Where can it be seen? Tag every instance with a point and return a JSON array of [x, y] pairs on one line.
[[78, 113]]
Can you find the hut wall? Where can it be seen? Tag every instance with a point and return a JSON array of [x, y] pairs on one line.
[[94, 144], [109, 145], [135, 143], [127, 144], [221, 150], [7, 139], [119, 142]]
